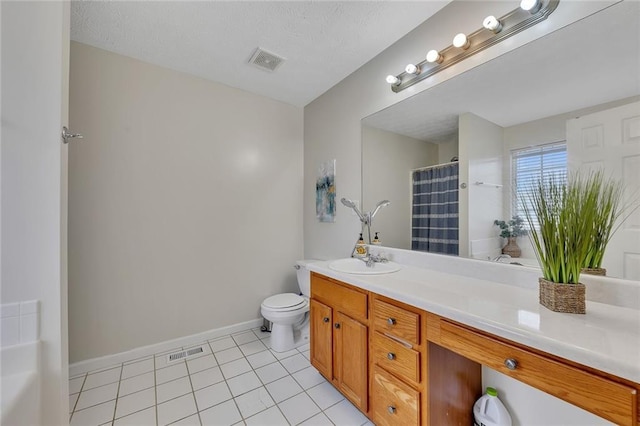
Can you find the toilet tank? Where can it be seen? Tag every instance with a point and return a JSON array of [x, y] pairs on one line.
[[304, 276]]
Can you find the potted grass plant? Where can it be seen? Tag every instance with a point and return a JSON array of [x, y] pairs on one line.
[[607, 219], [561, 214]]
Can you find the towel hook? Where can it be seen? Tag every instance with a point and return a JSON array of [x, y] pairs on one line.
[[66, 135]]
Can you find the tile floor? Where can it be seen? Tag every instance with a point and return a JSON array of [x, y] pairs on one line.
[[237, 380]]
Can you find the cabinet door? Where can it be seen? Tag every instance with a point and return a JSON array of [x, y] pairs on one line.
[[321, 338], [350, 362]]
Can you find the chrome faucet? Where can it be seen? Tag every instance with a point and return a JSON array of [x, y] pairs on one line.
[[372, 259], [365, 218], [375, 258]]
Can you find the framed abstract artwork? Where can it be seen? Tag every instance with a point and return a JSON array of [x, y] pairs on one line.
[[326, 192]]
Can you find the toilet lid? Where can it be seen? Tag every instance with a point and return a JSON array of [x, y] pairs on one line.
[[284, 300]]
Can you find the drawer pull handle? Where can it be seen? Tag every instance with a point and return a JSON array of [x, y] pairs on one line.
[[337, 325], [399, 340], [325, 319], [391, 409], [511, 363], [391, 356], [391, 321]]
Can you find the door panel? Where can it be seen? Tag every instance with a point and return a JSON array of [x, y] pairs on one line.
[[321, 338], [610, 141], [35, 64], [351, 341]]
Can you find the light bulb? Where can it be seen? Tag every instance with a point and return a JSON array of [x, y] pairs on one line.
[[434, 56], [531, 6], [492, 24], [461, 41], [393, 80], [412, 69]]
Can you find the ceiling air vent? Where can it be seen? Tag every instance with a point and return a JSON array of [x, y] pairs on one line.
[[265, 60]]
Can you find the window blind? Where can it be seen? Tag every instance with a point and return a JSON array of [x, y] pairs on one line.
[[528, 165]]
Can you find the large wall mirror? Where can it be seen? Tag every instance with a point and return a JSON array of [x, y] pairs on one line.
[[530, 97]]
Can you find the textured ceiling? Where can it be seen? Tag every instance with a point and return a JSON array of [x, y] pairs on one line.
[[593, 61], [322, 41]]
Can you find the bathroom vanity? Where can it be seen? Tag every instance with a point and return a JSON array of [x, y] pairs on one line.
[[408, 348]]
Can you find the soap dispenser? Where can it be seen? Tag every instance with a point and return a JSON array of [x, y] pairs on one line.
[[376, 240], [360, 250]]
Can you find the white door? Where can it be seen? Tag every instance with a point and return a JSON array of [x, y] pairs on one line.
[[610, 140], [35, 63]]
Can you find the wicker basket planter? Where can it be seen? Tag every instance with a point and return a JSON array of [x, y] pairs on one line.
[[595, 271], [566, 298]]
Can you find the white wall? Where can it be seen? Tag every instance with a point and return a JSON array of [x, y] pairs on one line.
[[332, 122], [387, 161], [480, 145], [448, 149], [184, 203], [35, 48], [551, 129]]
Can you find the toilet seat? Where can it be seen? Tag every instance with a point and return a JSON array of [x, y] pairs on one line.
[[284, 302]]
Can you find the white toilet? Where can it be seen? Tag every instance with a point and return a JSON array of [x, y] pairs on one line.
[[289, 313]]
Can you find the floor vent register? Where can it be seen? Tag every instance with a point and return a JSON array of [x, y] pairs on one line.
[[184, 354]]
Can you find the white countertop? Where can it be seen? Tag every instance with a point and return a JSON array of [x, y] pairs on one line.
[[607, 337]]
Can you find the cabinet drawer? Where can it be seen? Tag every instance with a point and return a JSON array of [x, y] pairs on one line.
[[603, 397], [396, 358], [393, 402], [396, 321], [339, 296]]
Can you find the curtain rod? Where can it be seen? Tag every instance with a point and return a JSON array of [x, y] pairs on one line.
[[435, 166]]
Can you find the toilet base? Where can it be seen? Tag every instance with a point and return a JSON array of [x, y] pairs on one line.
[[286, 337]]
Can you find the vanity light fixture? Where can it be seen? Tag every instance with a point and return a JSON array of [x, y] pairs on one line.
[[412, 69], [492, 24], [393, 80], [531, 6], [461, 41], [493, 31], [434, 56]]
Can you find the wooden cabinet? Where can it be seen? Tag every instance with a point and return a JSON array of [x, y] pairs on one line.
[[340, 337], [418, 368], [609, 399], [397, 362]]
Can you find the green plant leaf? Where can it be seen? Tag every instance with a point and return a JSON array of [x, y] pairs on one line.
[[566, 212]]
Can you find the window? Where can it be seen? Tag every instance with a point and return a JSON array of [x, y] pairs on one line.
[[528, 165]]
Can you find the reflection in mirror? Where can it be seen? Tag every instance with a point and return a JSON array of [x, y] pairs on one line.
[[554, 90]]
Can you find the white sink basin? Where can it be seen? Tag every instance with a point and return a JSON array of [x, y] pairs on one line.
[[357, 266]]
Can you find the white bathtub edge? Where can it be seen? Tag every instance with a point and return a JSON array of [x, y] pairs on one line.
[[20, 358], [20, 396]]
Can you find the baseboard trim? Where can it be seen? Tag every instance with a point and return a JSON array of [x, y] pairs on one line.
[[82, 367]]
